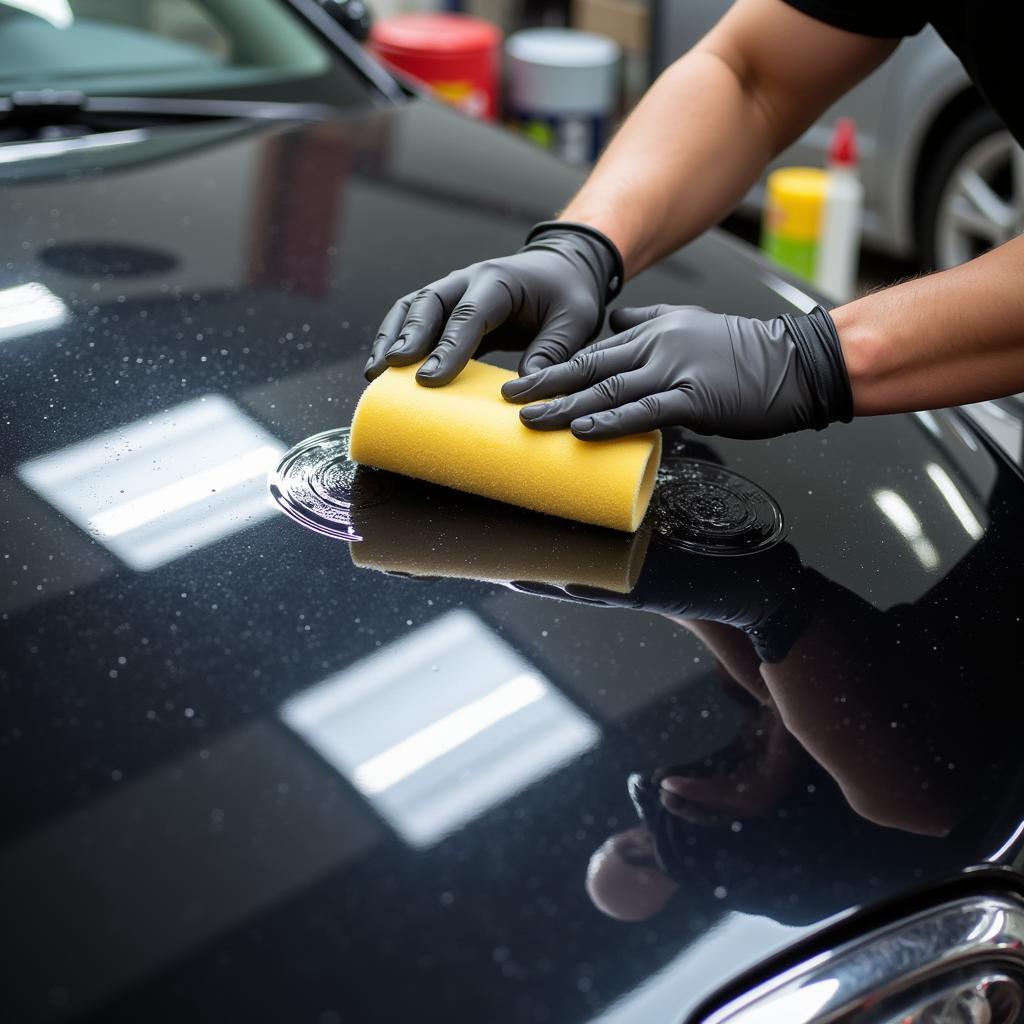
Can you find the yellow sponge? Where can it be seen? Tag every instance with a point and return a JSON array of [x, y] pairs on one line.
[[466, 436], [425, 530]]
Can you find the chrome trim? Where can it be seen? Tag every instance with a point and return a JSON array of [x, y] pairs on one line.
[[1008, 846], [15, 152], [1003, 427], [974, 996], [842, 983], [793, 295]]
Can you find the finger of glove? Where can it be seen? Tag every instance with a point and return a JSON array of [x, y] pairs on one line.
[[385, 337], [666, 408], [562, 335], [597, 346], [596, 595], [538, 589], [584, 369], [615, 341], [558, 593], [615, 391], [485, 305], [633, 316], [427, 314]]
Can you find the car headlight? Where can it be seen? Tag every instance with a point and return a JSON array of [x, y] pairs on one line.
[[989, 1000], [960, 963]]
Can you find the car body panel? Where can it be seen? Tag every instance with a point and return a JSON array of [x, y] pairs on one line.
[[191, 831]]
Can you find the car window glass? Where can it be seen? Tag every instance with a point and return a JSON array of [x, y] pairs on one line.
[[258, 49]]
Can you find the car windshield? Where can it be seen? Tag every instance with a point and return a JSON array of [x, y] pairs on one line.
[[230, 49]]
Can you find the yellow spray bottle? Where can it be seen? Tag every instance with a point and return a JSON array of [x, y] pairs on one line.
[[793, 217]]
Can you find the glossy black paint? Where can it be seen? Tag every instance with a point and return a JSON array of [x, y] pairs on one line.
[[174, 849]]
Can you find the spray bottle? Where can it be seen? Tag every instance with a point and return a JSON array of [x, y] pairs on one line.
[[793, 215], [836, 270]]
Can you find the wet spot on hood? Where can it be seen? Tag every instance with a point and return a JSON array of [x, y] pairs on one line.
[[707, 508], [318, 485], [107, 260]]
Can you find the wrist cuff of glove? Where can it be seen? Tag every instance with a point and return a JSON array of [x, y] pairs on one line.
[[821, 358], [612, 265]]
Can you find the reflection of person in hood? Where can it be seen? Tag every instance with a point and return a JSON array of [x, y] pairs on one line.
[[624, 879], [695, 843], [634, 873], [850, 708]]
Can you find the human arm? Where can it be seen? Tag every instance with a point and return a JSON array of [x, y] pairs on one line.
[[947, 339], [705, 130], [694, 145]]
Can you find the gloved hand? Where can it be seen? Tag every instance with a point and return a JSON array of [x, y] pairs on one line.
[[769, 595], [549, 299], [684, 366], [744, 779]]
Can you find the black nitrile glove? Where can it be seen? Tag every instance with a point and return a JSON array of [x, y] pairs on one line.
[[548, 298], [770, 596], [683, 366]]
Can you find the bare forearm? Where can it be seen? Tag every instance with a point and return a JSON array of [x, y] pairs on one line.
[[704, 132], [681, 162], [946, 339]]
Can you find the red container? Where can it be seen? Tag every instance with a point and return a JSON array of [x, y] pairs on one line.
[[454, 55]]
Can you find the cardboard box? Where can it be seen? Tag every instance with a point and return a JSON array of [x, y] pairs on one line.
[[626, 21]]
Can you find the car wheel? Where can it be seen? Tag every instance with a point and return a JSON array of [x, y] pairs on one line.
[[972, 195]]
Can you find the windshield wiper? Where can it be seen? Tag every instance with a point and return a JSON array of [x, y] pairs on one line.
[[53, 113]]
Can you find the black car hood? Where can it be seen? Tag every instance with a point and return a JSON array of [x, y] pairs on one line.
[[230, 784]]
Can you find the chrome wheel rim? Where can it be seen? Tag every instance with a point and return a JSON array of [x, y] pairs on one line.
[[982, 204]]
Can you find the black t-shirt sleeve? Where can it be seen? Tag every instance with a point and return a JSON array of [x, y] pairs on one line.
[[885, 18]]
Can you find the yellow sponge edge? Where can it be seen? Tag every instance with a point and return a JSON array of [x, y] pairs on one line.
[[466, 436]]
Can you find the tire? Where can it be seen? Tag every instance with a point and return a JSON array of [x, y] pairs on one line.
[[971, 194]]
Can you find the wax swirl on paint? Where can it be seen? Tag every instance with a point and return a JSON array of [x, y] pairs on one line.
[[704, 507], [318, 485]]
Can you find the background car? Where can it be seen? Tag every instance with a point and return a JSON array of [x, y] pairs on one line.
[[396, 767], [943, 178]]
